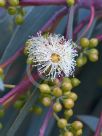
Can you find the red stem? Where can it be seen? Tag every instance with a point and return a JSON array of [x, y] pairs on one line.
[[80, 25], [22, 87], [90, 21], [42, 2], [99, 127], [84, 3]]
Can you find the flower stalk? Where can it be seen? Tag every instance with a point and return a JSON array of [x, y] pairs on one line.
[[40, 2], [92, 15]]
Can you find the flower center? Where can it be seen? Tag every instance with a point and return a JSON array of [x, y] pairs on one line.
[[55, 58]]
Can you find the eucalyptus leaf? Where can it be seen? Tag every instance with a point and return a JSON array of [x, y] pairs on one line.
[[22, 115], [8, 120]]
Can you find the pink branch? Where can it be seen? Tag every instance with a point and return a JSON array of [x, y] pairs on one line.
[[99, 127], [81, 25], [90, 21], [84, 3], [22, 87], [42, 2]]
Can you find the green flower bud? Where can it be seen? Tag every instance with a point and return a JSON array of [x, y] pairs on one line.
[[77, 125], [62, 123], [13, 2], [44, 88], [79, 132], [2, 3], [18, 104], [57, 92], [81, 61], [68, 134], [66, 93], [93, 42], [70, 2], [68, 103], [73, 96], [46, 101], [93, 57], [29, 61], [57, 107], [68, 113], [12, 10], [66, 79], [84, 42], [66, 86], [54, 82], [93, 51], [75, 82], [19, 20]]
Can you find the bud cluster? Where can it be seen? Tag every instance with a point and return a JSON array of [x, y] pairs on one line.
[[60, 95], [13, 8], [88, 51]]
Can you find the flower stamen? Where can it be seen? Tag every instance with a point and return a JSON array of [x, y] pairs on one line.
[[55, 57]]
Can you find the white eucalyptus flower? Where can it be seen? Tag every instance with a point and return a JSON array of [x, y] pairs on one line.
[[52, 54]]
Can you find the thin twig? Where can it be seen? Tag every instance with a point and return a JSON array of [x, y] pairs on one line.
[[40, 2], [89, 24]]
